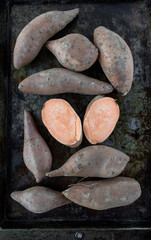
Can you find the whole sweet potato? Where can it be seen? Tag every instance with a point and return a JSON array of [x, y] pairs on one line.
[[39, 199], [37, 32], [93, 161], [115, 58], [74, 51], [60, 80], [62, 122], [100, 119], [36, 154], [104, 194]]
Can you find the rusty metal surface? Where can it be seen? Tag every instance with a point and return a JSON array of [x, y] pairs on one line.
[[131, 21]]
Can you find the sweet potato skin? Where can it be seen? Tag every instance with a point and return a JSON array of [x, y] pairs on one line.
[[36, 154], [39, 199], [37, 32], [93, 161], [90, 133], [115, 58], [60, 80], [74, 51], [62, 122], [104, 194]]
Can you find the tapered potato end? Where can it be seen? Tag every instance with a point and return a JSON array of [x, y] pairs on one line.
[[13, 196], [74, 12], [55, 173], [39, 178]]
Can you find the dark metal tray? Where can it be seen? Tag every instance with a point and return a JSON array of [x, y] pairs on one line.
[[131, 20]]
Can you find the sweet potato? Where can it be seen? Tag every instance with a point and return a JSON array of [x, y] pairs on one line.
[[60, 80], [115, 58], [100, 119], [62, 122], [36, 154], [104, 194], [93, 161], [74, 51], [37, 32], [39, 199]]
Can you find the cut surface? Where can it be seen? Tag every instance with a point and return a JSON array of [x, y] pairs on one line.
[[100, 119], [62, 122]]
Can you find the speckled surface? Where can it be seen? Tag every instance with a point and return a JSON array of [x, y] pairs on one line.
[[131, 135]]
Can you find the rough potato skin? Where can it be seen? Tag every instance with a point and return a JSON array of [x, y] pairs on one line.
[[94, 161], [36, 154], [74, 51], [60, 80], [37, 32], [39, 199], [115, 58], [105, 194]]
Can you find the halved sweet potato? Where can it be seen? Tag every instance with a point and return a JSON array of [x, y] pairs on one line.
[[62, 122], [100, 119]]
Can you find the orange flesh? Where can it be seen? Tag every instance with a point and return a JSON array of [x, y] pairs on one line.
[[100, 120], [62, 121]]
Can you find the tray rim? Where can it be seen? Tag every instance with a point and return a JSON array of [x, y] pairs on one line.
[[9, 224], [102, 234]]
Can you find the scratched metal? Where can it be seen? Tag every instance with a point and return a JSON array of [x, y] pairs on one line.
[[131, 135]]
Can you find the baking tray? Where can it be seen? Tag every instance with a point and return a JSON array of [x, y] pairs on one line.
[[131, 20]]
